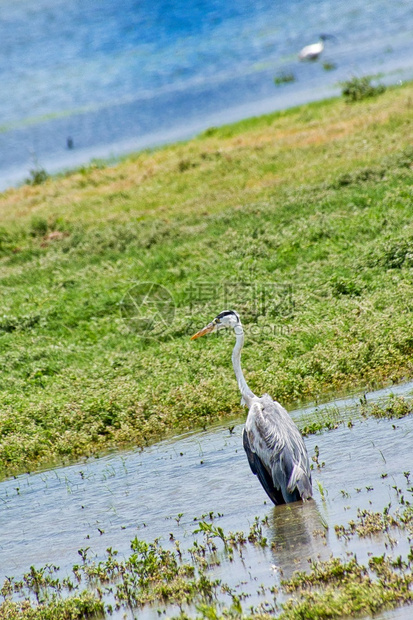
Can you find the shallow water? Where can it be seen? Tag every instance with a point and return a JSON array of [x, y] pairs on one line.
[[117, 77], [46, 517]]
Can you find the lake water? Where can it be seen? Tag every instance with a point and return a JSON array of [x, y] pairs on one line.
[[120, 76], [47, 517]]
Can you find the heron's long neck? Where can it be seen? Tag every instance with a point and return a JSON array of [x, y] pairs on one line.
[[247, 394]]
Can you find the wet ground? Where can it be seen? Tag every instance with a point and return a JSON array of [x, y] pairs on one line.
[[47, 517]]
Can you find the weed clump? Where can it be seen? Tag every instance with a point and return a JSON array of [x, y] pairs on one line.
[[38, 226], [397, 254], [38, 176], [345, 286], [357, 89], [7, 242], [357, 177], [284, 78], [396, 407]]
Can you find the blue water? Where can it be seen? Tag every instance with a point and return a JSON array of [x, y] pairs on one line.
[[115, 77]]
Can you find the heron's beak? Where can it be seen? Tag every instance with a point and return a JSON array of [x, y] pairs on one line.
[[206, 330]]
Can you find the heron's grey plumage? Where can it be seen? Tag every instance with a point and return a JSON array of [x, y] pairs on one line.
[[274, 446], [277, 443]]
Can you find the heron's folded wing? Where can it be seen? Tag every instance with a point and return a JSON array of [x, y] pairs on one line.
[[262, 474], [289, 464]]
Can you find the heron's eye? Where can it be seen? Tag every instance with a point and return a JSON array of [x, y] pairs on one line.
[[217, 321]]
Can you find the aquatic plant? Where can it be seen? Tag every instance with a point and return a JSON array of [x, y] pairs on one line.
[[212, 531], [337, 588], [256, 534], [84, 605], [155, 575], [284, 78], [395, 407], [368, 523]]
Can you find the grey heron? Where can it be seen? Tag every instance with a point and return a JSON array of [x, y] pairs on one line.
[[275, 448], [313, 51]]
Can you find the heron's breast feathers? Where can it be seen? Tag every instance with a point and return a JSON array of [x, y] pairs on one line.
[[270, 425]]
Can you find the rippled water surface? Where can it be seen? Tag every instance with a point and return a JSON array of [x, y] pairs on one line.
[[46, 517], [118, 76]]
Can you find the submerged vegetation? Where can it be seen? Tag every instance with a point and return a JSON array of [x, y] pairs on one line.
[[300, 220], [395, 407], [180, 579], [284, 78]]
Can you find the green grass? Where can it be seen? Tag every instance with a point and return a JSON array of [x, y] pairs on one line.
[[309, 209]]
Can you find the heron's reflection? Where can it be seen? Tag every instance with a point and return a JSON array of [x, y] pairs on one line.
[[299, 534]]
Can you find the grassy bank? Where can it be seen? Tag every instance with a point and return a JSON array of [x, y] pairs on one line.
[[301, 220]]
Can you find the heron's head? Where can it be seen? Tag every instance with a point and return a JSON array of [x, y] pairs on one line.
[[227, 318], [326, 37]]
